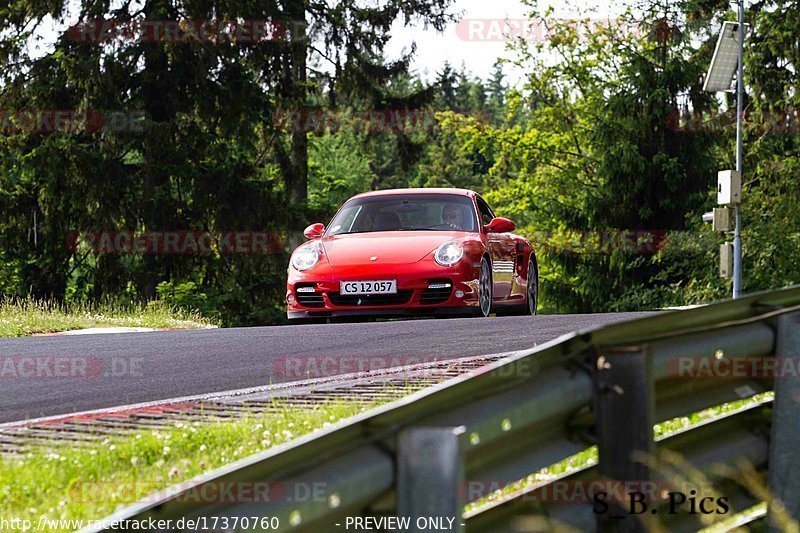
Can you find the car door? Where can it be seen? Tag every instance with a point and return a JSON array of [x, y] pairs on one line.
[[502, 251]]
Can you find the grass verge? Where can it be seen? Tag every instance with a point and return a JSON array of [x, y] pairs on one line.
[[74, 483], [89, 483], [21, 317]]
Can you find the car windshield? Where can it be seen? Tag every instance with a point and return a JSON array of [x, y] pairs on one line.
[[405, 212]]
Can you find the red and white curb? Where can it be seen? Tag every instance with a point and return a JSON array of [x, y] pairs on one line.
[[82, 427]]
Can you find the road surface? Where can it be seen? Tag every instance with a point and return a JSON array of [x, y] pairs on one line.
[[42, 376]]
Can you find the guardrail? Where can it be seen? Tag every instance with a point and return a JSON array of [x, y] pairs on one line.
[[422, 456]]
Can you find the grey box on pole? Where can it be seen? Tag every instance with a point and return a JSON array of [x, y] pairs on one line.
[[726, 260], [723, 220], [729, 187]]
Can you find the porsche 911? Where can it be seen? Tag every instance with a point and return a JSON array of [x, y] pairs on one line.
[[409, 252]]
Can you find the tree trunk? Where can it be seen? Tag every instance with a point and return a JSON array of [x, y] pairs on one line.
[[297, 175]]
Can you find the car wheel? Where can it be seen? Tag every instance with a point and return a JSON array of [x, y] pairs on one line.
[[485, 288], [533, 287]]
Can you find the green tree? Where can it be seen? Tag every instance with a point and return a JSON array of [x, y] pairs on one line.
[[590, 150], [208, 155]]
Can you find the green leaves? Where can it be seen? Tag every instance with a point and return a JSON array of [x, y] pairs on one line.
[[591, 141]]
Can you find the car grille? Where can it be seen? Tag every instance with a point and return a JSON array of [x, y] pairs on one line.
[[438, 295], [309, 299], [366, 300]]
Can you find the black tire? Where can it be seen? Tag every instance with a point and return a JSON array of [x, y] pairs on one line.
[[531, 295], [485, 288], [532, 292]]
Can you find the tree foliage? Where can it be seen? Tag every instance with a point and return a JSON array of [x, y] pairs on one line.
[[610, 131]]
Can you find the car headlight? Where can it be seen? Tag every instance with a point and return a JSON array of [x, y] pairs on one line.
[[305, 258], [449, 254]]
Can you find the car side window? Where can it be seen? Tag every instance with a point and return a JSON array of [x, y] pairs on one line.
[[485, 211]]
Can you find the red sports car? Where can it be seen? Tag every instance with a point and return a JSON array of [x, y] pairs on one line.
[[412, 251]]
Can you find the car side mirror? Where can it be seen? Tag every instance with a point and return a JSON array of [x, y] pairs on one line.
[[500, 225], [314, 231]]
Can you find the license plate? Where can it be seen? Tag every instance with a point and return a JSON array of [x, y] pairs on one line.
[[368, 287]]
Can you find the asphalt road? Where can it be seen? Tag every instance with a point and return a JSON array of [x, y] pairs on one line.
[[42, 376]]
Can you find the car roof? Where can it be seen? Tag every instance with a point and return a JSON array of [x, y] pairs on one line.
[[420, 190]]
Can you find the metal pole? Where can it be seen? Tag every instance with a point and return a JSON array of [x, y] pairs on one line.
[[624, 406], [430, 477], [737, 236], [784, 484]]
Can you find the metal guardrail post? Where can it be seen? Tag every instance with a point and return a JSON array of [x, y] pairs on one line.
[[624, 417], [784, 462], [430, 476]]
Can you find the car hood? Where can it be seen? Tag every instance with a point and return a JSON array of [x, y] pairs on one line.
[[389, 247]]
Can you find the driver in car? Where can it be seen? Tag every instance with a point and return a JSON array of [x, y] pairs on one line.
[[453, 217]]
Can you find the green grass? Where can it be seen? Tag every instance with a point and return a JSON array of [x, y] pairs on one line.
[[91, 482], [21, 317], [71, 483]]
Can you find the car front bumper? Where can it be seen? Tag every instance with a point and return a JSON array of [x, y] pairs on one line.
[[419, 290]]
